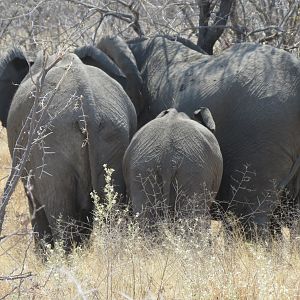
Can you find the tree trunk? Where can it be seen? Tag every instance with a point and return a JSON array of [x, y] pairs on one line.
[[209, 34]]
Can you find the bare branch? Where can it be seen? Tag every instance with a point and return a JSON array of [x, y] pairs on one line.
[[132, 19], [16, 277], [26, 14]]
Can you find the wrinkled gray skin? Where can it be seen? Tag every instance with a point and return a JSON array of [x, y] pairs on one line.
[[61, 188], [253, 92], [173, 165]]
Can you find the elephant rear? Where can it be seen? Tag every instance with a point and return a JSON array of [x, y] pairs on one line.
[[197, 167], [172, 166], [86, 125]]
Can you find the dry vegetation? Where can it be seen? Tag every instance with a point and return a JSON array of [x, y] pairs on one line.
[[120, 262], [54, 24]]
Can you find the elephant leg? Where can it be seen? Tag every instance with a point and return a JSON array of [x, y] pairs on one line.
[[83, 210], [292, 209], [145, 191], [74, 230], [66, 205], [277, 219], [287, 212], [192, 194], [114, 152], [40, 224], [77, 220], [293, 214]]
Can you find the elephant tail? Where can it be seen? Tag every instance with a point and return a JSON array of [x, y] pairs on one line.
[[170, 191], [94, 160], [90, 142]]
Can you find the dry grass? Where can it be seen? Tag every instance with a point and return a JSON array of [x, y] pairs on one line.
[[121, 263]]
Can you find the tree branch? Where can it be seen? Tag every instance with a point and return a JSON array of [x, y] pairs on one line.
[[15, 277], [208, 35], [132, 19]]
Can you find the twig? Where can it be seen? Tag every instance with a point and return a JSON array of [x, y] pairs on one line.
[[132, 19], [26, 14], [16, 277], [9, 293]]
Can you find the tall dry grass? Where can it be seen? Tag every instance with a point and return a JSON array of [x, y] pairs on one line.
[[120, 262]]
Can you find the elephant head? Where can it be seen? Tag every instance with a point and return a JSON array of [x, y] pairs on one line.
[[13, 68]]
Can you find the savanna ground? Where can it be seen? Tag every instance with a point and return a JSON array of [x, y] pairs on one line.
[[119, 261]]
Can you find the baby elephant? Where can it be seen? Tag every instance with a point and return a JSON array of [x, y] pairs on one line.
[[173, 165]]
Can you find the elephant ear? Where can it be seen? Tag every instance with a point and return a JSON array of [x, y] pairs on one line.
[[117, 49], [204, 116], [13, 68], [92, 56]]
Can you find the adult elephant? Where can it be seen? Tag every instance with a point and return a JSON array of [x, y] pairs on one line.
[[173, 166], [253, 92], [85, 120]]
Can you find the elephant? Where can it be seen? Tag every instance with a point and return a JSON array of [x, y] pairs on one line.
[[253, 92], [85, 120], [173, 166]]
